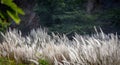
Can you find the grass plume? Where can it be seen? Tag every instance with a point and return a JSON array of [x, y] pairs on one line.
[[97, 49]]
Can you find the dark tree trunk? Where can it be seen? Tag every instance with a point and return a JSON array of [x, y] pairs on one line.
[[90, 6]]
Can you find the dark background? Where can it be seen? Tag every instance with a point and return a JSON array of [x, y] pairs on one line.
[[69, 16]]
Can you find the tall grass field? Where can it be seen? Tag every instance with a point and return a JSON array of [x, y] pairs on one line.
[[40, 48]]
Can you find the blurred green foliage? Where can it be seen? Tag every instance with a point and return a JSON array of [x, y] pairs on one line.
[[75, 21], [63, 15], [48, 8], [6, 61], [66, 16], [43, 62], [11, 61], [112, 16], [8, 9]]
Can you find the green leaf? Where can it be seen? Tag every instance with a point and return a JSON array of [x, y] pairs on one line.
[[20, 11], [14, 16], [1, 15], [13, 6], [16, 9], [6, 1]]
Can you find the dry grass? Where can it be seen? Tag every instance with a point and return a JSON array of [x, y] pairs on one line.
[[98, 49]]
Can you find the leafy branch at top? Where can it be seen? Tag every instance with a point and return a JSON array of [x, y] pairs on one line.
[[8, 9]]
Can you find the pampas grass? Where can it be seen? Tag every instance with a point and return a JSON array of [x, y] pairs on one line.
[[97, 49]]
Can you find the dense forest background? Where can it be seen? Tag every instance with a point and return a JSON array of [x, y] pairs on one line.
[[69, 16]]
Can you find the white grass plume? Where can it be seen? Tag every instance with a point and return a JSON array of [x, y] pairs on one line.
[[98, 49]]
